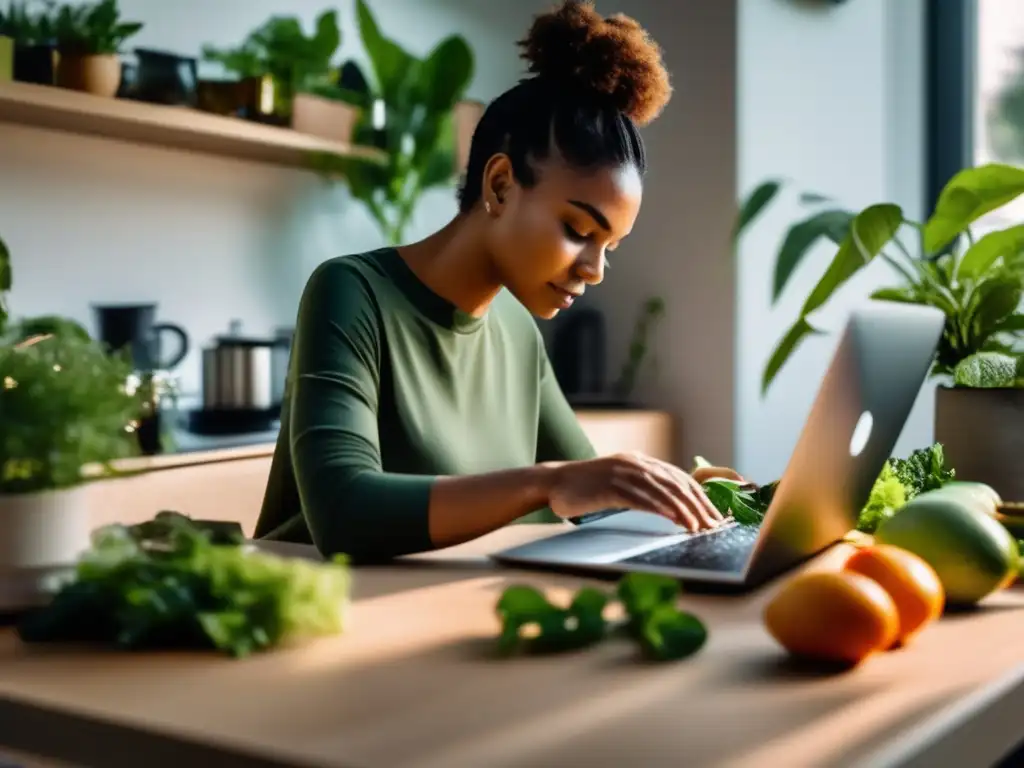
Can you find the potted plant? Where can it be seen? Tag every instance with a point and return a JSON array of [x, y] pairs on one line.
[[978, 283], [279, 57], [65, 412], [89, 39], [406, 108], [29, 52]]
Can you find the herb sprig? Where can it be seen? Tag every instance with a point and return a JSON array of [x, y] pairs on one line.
[[533, 624]]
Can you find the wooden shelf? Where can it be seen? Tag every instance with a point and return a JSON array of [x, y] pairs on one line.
[[179, 128]]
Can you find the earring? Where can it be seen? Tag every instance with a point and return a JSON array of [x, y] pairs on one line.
[[487, 206]]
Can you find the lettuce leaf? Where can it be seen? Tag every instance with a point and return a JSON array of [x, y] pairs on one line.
[[174, 583]]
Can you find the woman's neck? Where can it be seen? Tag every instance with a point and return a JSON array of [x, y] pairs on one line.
[[455, 265]]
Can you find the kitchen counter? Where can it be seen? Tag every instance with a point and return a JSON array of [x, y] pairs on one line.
[[185, 442], [413, 683], [645, 430]]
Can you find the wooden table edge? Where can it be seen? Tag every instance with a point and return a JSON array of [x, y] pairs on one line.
[[988, 716]]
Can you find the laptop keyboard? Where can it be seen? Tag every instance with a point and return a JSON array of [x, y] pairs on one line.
[[726, 550]]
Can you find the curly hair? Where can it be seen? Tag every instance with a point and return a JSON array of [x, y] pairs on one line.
[[593, 82]]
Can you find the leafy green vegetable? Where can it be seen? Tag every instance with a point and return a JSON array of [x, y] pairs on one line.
[[900, 481], [557, 629], [924, 470], [732, 499], [174, 583], [667, 634], [661, 630], [986, 370], [747, 505], [64, 404], [887, 495]]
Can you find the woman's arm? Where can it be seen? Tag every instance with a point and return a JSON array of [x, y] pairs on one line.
[[349, 502]]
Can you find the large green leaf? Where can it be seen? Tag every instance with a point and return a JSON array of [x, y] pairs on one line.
[[870, 231], [756, 201], [394, 68], [327, 37], [903, 295], [1012, 324], [969, 195], [445, 74], [993, 301], [831, 224], [980, 257], [800, 330]]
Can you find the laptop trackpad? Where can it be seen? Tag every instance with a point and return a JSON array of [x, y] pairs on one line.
[[634, 521]]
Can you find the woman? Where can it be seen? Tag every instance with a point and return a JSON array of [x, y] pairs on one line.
[[422, 410]]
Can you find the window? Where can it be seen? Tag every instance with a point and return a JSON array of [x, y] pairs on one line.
[[975, 92]]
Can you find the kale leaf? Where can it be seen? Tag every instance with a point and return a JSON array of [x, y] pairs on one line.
[[923, 470]]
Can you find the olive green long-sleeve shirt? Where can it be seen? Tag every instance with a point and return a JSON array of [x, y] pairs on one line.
[[391, 386]]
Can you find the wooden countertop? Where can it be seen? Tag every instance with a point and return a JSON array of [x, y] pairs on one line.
[[412, 683], [606, 427]]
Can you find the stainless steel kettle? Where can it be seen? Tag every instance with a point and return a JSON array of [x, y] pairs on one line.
[[238, 372]]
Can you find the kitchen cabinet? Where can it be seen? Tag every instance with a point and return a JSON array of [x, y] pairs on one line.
[[613, 431], [228, 484]]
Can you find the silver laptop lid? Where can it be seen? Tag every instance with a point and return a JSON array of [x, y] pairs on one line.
[[876, 373]]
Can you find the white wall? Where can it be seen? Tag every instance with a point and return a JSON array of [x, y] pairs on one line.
[[90, 221], [679, 248], [832, 98]]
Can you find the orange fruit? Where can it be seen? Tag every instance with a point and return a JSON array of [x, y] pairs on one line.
[[911, 582], [836, 616]]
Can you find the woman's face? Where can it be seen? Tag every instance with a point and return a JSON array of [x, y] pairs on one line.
[[550, 241]]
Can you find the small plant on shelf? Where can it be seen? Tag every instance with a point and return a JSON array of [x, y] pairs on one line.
[[23, 26], [279, 49], [406, 108], [89, 38]]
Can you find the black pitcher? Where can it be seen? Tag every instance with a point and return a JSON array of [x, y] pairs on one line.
[[135, 326]]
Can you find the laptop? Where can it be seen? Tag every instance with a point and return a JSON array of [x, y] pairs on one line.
[[880, 363]]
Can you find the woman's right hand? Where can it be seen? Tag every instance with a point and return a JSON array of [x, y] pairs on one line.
[[632, 480]]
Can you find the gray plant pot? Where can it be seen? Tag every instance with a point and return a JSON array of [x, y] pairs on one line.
[[982, 431]]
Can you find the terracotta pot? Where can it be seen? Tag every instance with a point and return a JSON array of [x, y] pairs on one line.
[[43, 535], [982, 432], [325, 118], [98, 74]]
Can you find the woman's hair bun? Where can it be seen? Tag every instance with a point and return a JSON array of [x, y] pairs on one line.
[[613, 58]]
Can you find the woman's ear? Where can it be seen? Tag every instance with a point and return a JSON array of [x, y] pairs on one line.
[[498, 183]]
